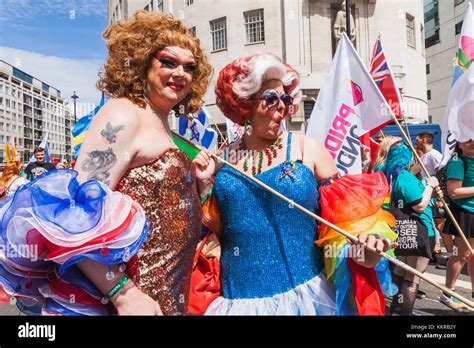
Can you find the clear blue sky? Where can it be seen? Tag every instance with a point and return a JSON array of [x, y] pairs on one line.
[[48, 27], [56, 41]]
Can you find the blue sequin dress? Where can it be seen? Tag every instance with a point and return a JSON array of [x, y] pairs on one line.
[[269, 262]]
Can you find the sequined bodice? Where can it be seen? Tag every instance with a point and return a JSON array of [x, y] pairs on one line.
[[166, 189], [267, 246]]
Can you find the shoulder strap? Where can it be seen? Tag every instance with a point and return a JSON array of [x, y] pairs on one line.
[[11, 183], [199, 249], [288, 147]]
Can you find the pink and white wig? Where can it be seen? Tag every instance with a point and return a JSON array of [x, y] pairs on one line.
[[243, 77]]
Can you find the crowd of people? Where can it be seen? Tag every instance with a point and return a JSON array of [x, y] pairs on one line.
[[121, 230], [412, 185], [14, 174]]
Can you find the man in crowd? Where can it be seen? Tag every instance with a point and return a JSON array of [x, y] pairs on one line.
[[430, 157], [35, 169]]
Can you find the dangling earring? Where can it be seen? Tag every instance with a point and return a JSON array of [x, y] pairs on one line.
[[248, 128]]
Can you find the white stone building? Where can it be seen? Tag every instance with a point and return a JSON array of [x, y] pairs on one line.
[[443, 21], [301, 33], [30, 109]]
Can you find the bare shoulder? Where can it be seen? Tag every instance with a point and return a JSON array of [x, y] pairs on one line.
[[319, 157], [118, 112], [312, 149], [110, 144]]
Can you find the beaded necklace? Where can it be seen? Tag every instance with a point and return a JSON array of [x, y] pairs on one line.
[[257, 161]]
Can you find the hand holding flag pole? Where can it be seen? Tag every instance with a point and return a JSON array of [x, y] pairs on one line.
[[349, 236]]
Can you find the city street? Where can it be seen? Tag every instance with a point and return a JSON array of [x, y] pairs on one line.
[[426, 307], [431, 304]]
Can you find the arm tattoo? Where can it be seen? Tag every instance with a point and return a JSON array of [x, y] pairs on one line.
[[110, 132], [98, 164]]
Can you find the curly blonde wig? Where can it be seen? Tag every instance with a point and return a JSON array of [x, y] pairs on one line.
[[131, 44]]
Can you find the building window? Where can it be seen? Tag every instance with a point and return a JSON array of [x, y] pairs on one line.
[[193, 31], [160, 6], [308, 106], [427, 69], [458, 28], [189, 2], [431, 22], [422, 36], [428, 93], [254, 26], [457, 2], [411, 39], [219, 34]]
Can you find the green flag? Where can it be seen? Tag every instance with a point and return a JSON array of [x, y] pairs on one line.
[[186, 147]]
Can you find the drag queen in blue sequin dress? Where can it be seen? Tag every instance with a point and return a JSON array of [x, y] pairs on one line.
[[269, 261]]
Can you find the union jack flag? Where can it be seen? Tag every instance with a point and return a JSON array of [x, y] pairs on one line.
[[378, 65], [383, 77]]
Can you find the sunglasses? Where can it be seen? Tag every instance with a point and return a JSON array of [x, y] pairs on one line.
[[272, 99], [171, 63]]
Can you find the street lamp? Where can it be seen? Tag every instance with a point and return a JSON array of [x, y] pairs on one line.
[[74, 97], [348, 18]]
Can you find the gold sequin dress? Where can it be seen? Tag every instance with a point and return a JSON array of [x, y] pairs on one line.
[[166, 189]]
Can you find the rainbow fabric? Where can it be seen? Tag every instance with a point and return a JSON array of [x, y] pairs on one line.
[[354, 203], [52, 223]]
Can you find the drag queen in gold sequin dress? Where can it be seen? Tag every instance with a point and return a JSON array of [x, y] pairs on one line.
[[154, 65]]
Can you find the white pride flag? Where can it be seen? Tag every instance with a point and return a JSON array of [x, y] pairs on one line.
[[349, 105], [459, 114]]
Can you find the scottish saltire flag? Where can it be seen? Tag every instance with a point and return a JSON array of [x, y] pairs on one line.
[[198, 130], [459, 115], [82, 126], [44, 145], [349, 105]]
